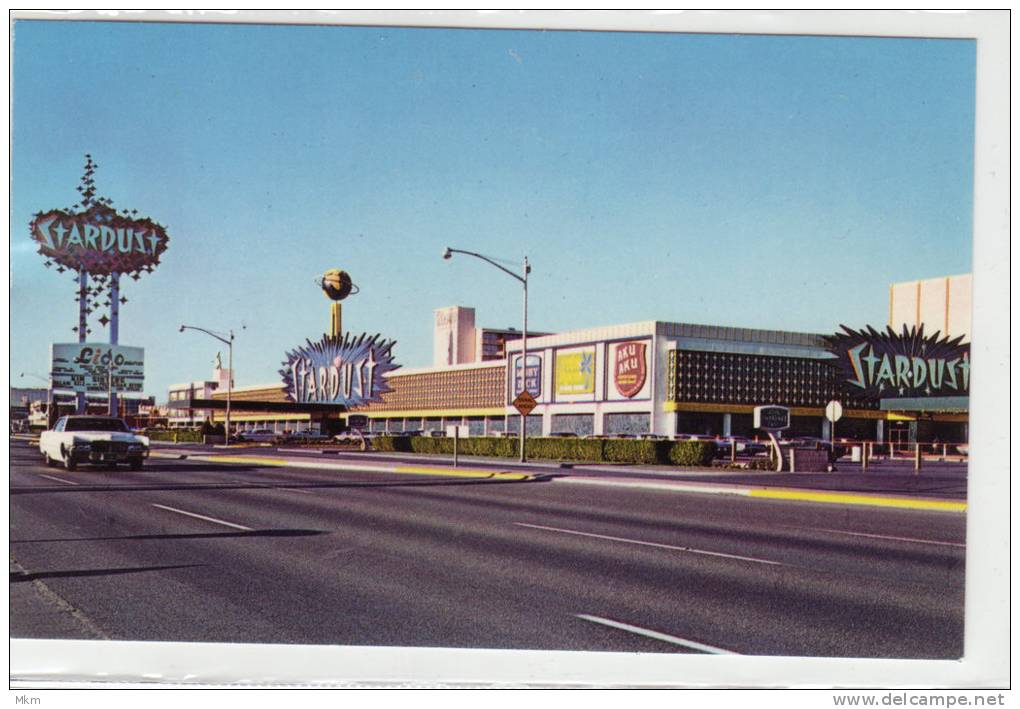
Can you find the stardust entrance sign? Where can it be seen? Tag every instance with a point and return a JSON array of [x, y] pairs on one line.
[[772, 419]]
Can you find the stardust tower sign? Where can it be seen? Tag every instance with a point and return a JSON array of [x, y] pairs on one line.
[[99, 244], [339, 369]]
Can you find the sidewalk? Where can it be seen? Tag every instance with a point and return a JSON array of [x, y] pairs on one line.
[[945, 492]]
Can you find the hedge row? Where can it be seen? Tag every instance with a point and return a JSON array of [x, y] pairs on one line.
[[183, 435], [589, 450]]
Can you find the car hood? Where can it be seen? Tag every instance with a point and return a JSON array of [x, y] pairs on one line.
[[108, 436]]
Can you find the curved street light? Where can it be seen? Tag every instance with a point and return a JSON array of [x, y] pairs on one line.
[[228, 340], [448, 254], [37, 376]]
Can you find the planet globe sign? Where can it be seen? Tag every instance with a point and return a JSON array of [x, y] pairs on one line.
[[337, 284]]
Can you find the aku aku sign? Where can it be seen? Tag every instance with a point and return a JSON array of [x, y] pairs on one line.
[[886, 364], [629, 368]]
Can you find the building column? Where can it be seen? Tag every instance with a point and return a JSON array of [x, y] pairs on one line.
[[727, 425]]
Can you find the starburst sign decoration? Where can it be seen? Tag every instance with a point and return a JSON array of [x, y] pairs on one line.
[[94, 237], [877, 364], [94, 240], [339, 370]]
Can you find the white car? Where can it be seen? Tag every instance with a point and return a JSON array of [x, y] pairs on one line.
[[96, 440], [259, 435]]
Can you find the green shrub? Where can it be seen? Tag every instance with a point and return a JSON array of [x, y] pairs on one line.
[[587, 450], [580, 449], [428, 444], [633, 451], [489, 446], [183, 435], [211, 429], [692, 453]]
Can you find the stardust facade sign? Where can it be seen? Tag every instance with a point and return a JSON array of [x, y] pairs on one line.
[[347, 371], [886, 364]]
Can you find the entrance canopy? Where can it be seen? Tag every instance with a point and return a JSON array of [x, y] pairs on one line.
[[241, 405], [947, 404]]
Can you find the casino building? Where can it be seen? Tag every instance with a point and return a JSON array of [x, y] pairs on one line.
[[650, 377], [639, 378]]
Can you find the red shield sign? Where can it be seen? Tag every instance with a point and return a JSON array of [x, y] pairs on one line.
[[630, 368]]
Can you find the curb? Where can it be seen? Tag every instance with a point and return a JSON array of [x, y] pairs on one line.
[[475, 474], [779, 493]]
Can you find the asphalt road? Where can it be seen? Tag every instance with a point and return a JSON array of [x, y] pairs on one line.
[[937, 479], [197, 551]]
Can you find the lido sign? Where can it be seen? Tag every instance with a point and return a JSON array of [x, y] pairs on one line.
[[346, 371], [886, 364]]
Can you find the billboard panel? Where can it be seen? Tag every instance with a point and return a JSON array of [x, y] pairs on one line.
[[575, 374], [628, 370], [97, 368], [533, 377]]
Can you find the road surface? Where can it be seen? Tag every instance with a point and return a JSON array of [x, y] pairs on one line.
[[201, 551]]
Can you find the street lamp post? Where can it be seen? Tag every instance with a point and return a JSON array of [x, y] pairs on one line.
[[111, 401], [448, 254], [228, 340]]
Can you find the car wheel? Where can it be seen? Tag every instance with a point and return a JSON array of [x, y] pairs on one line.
[[69, 462], [135, 463]]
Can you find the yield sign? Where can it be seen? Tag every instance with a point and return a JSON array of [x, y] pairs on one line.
[[525, 402]]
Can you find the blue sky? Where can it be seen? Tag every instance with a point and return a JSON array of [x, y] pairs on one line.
[[753, 181]]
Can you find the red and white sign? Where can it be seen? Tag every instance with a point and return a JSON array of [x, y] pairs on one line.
[[630, 367]]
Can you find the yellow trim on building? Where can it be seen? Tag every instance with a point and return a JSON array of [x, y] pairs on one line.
[[955, 418], [932, 416], [896, 416], [236, 417], [431, 413], [673, 406]]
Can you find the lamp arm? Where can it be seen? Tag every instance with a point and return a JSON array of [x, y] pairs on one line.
[[489, 260], [210, 334]]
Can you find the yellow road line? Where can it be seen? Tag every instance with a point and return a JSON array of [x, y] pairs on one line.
[[403, 469], [459, 473], [239, 459], [840, 498]]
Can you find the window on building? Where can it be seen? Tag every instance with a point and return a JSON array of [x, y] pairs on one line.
[[626, 423], [578, 424]]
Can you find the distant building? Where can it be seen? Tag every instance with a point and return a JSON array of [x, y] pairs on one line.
[[940, 304], [456, 339], [179, 412], [22, 400], [23, 397]]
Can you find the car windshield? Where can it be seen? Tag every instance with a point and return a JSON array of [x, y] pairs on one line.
[[95, 424]]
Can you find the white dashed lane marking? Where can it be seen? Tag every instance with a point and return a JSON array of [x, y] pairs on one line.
[[203, 517]]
